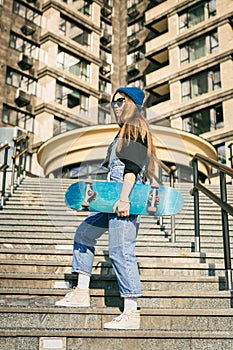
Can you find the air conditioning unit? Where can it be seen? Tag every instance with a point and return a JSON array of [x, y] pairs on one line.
[[106, 11], [25, 61], [133, 41], [28, 28], [22, 98], [133, 11], [105, 69], [133, 69], [106, 38]]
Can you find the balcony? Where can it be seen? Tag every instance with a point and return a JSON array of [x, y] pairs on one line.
[[23, 98], [161, 58], [25, 62]]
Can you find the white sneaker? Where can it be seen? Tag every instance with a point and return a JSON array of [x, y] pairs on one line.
[[130, 319], [76, 298]]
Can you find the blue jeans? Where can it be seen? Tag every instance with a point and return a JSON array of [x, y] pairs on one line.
[[122, 240]]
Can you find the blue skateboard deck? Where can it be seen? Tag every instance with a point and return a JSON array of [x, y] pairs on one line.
[[101, 197]]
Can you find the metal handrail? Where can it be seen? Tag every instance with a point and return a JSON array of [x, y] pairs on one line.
[[231, 154], [20, 154], [3, 169], [220, 201], [171, 174]]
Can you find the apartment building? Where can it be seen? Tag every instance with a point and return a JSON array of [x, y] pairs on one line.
[[61, 59], [192, 87]]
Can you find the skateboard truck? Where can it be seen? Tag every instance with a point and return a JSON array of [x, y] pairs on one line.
[[89, 196], [153, 200]]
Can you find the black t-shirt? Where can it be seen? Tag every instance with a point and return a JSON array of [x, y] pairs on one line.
[[133, 154]]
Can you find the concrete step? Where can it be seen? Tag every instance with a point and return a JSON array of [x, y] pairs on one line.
[[148, 268], [65, 319], [58, 280], [43, 297], [105, 339]]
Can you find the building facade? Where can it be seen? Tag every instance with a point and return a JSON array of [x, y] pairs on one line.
[[61, 59], [192, 87]]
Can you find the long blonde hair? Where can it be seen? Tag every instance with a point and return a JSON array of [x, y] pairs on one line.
[[135, 125]]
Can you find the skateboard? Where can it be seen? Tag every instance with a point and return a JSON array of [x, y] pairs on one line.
[[100, 196]]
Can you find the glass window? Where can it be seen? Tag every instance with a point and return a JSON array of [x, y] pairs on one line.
[[135, 28], [105, 86], [60, 126], [75, 32], [21, 81], [200, 84], [17, 118], [221, 151], [22, 45], [204, 120], [197, 14], [199, 47], [27, 13], [83, 6], [135, 57], [104, 117], [72, 64], [72, 98]]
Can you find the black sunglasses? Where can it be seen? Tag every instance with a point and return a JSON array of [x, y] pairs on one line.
[[118, 102]]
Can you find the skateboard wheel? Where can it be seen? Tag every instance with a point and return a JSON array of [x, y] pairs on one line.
[[85, 204], [152, 210]]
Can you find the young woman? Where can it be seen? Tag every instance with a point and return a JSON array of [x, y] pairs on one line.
[[130, 158]]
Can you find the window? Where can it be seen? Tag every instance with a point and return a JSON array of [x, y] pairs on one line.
[[135, 28], [71, 98], [74, 65], [105, 86], [197, 14], [13, 117], [60, 126], [21, 81], [200, 84], [135, 57], [22, 45], [205, 120], [72, 31], [199, 47], [131, 3], [104, 117], [83, 6], [221, 151], [26, 13], [140, 83]]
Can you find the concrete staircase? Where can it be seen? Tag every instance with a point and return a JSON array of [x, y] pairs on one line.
[[184, 304]]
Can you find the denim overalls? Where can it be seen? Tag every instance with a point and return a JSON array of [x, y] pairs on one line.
[[122, 237]]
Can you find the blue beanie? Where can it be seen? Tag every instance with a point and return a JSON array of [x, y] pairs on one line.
[[134, 93]]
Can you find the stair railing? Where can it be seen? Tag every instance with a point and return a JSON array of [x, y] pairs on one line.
[[171, 175], [221, 201], [231, 154], [20, 151], [3, 169]]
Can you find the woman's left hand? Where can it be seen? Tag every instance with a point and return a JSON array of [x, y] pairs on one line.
[[121, 208]]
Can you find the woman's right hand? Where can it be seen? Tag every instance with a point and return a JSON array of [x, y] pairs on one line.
[[121, 208]]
